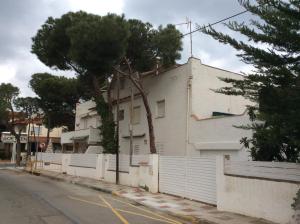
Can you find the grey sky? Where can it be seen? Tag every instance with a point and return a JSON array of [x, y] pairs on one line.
[[20, 19]]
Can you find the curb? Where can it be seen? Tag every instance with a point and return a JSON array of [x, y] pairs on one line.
[[69, 181], [183, 217], [115, 193]]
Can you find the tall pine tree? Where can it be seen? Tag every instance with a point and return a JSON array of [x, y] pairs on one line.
[[273, 48]]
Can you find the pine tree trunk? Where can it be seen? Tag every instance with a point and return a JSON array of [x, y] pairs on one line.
[[139, 86], [18, 151], [28, 133], [150, 123], [48, 134], [96, 86]]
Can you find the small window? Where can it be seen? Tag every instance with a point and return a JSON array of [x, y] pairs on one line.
[[136, 150], [122, 83], [136, 115], [160, 148], [85, 123], [36, 130], [161, 110], [121, 115]]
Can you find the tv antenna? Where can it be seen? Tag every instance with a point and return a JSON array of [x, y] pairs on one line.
[[189, 26]]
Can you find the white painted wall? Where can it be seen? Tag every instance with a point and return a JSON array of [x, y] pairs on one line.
[[145, 175], [260, 198], [86, 124], [86, 116], [218, 136], [177, 133], [204, 100], [169, 130], [184, 105]]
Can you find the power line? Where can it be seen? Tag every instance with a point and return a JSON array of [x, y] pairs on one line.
[[222, 20]]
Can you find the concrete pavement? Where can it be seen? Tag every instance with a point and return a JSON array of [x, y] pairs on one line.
[[31, 199], [192, 211]]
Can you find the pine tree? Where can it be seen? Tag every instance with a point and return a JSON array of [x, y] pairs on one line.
[[273, 48]]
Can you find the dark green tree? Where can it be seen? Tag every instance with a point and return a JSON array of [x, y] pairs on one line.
[[273, 48], [150, 51], [57, 98], [29, 106], [89, 45], [98, 48], [8, 97]]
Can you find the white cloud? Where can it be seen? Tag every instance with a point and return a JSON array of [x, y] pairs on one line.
[[7, 72], [100, 7]]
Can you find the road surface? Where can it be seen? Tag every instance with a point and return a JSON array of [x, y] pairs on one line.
[[32, 199]]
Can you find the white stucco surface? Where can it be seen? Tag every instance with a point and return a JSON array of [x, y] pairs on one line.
[[260, 198], [189, 100], [145, 175], [219, 136]]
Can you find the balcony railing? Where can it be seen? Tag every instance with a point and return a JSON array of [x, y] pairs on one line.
[[91, 135]]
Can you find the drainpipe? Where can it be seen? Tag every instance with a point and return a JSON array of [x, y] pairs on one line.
[[189, 85], [130, 125]]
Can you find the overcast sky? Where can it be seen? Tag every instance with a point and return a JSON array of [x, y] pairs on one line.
[[20, 20]]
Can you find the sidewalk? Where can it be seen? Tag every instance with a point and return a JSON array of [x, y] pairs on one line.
[[195, 212]]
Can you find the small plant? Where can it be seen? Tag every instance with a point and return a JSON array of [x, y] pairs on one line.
[[146, 188], [296, 204]]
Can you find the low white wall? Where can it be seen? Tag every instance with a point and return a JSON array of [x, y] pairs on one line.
[[144, 175], [99, 168], [51, 167], [268, 199]]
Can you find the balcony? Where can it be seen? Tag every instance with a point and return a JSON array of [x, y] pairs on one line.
[[90, 135]]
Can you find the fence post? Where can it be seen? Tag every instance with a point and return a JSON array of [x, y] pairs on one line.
[[100, 166], [220, 179]]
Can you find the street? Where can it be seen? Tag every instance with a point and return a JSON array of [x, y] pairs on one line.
[[32, 199]]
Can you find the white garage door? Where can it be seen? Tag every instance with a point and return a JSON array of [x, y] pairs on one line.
[[189, 177]]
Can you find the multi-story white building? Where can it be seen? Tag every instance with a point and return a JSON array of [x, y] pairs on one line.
[[86, 130], [189, 118]]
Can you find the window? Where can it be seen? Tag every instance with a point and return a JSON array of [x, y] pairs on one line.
[[161, 110], [136, 150], [85, 123], [136, 115], [121, 115], [122, 83], [160, 148], [36, 130]]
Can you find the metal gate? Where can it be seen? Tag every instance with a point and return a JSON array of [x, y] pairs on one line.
[[189, 177]]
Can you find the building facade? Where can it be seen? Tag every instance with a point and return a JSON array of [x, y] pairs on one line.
[[189, 118], [33, 138], [86, 132]]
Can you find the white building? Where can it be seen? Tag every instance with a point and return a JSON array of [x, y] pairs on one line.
[[86, 130], [189, 118]]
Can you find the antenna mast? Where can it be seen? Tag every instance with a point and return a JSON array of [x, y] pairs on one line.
[[189, 26]]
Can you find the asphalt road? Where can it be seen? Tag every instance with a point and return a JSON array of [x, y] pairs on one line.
[[31, 199]]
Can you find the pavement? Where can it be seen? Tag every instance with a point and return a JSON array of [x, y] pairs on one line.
[[192, 211], [6, 163], [30, 199]]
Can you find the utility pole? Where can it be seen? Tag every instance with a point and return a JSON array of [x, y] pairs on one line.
[[191, 35], [37, 142], [130, 125], [118, 121]]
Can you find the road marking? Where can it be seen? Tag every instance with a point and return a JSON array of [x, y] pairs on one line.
[[89, 202], [145, 210], [146, 216], [121, 210], [114, 210]]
